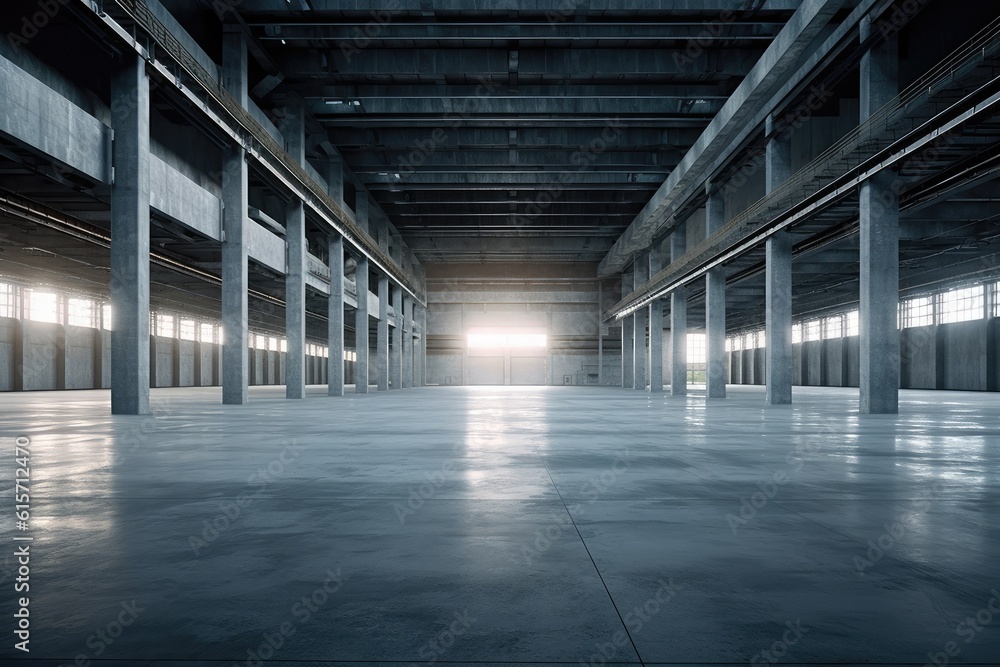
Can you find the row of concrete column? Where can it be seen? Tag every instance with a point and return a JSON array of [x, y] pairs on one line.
[[879, 279], [399, 365]]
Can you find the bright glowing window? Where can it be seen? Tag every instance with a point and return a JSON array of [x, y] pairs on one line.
[[350, 355], [833, 327], [284, 345], [7, 303], [917, 312], [186, 329], [996, 299], [106, 316], [852, 323], [760, 339], [797, 333], [207, 333], [810, 330], [43, 306], [260, 342], [960, 305], [506, 338], [82, 312], [696, 352], [164, 325], [272, 344]]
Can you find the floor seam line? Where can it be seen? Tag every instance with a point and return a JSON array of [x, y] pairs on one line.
[[592, 561]]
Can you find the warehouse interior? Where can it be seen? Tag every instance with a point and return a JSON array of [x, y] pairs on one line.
[[599, 332]]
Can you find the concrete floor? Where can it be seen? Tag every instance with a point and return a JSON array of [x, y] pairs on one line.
[[508, 525]]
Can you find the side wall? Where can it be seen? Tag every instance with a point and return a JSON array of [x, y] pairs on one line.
[[962, 356]]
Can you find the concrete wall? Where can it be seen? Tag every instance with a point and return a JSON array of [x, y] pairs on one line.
[[560, 299], [962, 356], [53, 356]]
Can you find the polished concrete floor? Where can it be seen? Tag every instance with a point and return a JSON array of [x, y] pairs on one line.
[[550, 525]]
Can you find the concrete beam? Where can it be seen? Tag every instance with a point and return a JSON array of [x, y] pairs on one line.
[[760, 84]]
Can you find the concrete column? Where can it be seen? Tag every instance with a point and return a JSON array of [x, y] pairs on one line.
[[361, 210], [335, 316], [678, 320], [600, 334], [295, 269], [382, 335], [361, 328], [778, 260], [421, 352], [335, 179], [396, 349], [640, 353], [879, 240], [235, 338], [628, 338], [130, 374], [407, 342], [655, 358], [715, 305]]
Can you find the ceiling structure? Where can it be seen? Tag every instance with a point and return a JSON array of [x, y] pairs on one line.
[[501, 132]]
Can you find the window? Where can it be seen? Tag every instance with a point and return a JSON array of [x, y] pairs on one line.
[[164, 325], [272, 344], [106, 316], [729, 345], [284, 345], [833, 326], [43, 306], [797, 333], [696, 352], [852, 324], [81, 313], [761, 339], [996, 299], [960, 305], [810, 330], [7, 302], [350, 355], [186, 329], [259, 342], [207, 333], [917, 312]]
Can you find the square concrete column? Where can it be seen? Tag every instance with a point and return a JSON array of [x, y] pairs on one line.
[[407, 341], [382, 335], [778, 270], [654, 362], [395, 349], [361, 336], [335, 316], [678, 319], [235, 199], [879, 240], [421, 350], [335, 179], [130, 240], [295, 268], [640, 353], [628, 338], [715, 305], [361, 210]]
